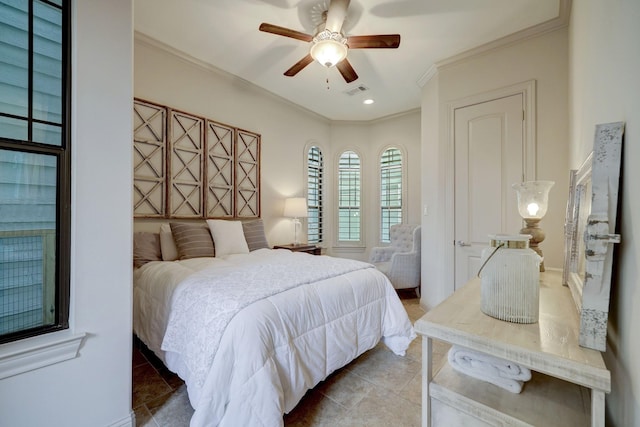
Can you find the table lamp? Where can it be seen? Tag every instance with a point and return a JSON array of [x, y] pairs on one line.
[[296, 208], [533, 201]]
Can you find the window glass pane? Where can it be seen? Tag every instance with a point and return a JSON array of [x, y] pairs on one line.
[[13, 128], [47, 63], [27, 240], [47, 134], [14, 57], [349, 197]]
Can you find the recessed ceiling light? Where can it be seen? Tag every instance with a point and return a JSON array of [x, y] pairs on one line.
[[368, 101]]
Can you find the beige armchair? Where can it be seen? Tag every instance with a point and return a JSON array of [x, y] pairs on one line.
[[400, 261]]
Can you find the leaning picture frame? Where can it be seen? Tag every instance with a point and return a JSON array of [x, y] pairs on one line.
[[578, 210], [590, 233], [569, 230]]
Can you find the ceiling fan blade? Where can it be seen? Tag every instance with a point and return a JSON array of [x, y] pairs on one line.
[[336, 14], [347, 70], [381, 41], [298, 66], [286, 32]]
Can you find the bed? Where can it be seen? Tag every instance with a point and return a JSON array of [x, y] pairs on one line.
[[250, 330]]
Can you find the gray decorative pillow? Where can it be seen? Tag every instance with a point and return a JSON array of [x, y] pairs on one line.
[[192, 240], [146, 248], [254, 234]]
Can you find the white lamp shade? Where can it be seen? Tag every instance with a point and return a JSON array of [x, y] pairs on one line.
[[328, 52], [295, 207], [329, 48], [533, 198]]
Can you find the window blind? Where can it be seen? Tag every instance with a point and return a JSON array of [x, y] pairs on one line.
[[349, 197], [390, 191], [315, 172]]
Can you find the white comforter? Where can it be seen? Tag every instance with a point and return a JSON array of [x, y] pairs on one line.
[[247, 360]]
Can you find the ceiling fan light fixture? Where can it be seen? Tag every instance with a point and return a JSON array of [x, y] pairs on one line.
[[329, 48]]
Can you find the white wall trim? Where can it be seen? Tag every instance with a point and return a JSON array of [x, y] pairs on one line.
[[150, 41], [560, 21], [37, 352], [428, 75]]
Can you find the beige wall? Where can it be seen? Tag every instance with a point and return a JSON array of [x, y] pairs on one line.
[[164, 76], [543, 59], [604, 87]]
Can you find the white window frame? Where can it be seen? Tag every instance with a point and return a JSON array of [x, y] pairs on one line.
[[350, 243]]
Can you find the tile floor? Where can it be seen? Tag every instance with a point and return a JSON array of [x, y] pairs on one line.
[[377, 389]]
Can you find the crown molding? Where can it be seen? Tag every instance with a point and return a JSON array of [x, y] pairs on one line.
[[428, 75], [155, 43], [560, 21]]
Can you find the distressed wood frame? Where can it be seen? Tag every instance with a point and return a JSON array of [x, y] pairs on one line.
[[185, 160], [590, 228], [247, 161], [149, 159], [186, 166], [220, 170]]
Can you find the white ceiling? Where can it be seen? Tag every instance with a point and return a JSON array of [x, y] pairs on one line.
[[224, 34]]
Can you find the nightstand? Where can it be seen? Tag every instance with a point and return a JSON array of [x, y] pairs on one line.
[[310, 249]]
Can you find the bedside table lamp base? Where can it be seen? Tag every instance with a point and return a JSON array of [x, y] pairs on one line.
[[296, 226], [296, 208]]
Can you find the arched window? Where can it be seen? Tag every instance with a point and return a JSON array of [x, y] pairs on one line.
[[349, 218], [390, 191], [315, 177]]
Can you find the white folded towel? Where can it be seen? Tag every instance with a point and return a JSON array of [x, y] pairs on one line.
[[494, 370]]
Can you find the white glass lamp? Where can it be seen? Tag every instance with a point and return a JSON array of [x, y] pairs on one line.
[[296, 208], [533, 201], [329, 48]]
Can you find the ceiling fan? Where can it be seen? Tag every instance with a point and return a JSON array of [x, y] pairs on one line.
[[329, 46]]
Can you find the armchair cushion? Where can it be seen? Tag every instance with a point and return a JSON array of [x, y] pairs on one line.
[[400, 261], [381, 254]]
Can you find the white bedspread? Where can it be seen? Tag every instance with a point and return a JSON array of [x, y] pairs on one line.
[[300, 324]]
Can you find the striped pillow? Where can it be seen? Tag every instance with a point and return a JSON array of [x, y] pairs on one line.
[[254, 235], [192, 240]]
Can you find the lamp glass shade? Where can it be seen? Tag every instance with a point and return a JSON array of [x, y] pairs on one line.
[[328, 52], [295, 207], [533, 198]]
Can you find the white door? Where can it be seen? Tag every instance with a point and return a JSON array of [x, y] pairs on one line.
[[489, 158]]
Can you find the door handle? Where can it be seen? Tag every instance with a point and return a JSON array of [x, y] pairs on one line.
[[462, 243]]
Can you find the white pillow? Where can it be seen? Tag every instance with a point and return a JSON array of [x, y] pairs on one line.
[[167, 245], [228, 237]]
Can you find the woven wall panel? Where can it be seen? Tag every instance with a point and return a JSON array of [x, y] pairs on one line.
[[220, 171], [149, 170], [186, 165], [247, 174]]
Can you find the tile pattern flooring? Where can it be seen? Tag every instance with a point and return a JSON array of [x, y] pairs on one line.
[[377, 389]]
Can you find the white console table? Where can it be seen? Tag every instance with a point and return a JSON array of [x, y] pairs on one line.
[[569, 382]]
